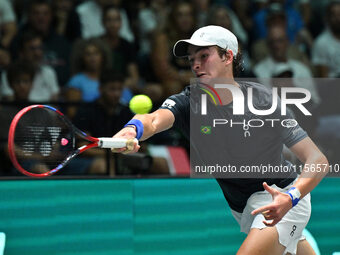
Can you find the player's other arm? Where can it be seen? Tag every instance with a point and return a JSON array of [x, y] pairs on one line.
[[152, 123], [316, 165], [315, 168]]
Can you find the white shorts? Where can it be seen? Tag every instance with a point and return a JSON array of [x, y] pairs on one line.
[[289, 228]]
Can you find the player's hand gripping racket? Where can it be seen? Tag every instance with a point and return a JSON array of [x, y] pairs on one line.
[[42, 140]]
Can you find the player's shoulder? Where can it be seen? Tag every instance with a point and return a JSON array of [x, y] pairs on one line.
[[255, 86], [176, 100], [185, 93], [261, 95]]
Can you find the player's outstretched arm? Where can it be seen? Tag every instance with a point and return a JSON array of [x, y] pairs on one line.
[[143, 126]]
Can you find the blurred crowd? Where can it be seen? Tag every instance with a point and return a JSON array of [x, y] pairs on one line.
[[102, 52]]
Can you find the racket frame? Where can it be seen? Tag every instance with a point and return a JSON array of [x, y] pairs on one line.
[[94, 142]]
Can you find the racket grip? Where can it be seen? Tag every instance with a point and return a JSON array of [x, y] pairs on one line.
[[116, 143]]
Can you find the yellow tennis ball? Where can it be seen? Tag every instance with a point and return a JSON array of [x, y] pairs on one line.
[[140, 104]]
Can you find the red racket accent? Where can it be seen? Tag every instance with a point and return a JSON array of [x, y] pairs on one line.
[[11, 149], [11, 142], [89, 146], [41, 142]]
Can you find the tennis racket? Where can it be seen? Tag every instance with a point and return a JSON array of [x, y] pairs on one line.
[[41, 141]]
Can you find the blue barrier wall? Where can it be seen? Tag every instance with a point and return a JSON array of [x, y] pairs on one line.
[[141, 216]]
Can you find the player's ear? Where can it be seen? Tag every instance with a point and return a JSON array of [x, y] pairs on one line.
[[231, 55], [228, 57]]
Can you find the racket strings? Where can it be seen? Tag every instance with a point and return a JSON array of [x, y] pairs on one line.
[[42, 140]]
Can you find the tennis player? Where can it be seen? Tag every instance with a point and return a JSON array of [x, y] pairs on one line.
[[273, 212]]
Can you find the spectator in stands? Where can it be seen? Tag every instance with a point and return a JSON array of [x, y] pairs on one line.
[[123, 53], [221, 15], [102, 118], [244, 9], [325, 55], [151, 17], [275, 8], [56, 48], [89, 58], [45, 83], [90, 13], [278, 43], [259, 48], [326, 59], [173, 73], [20, 77], [259, 4], [124, 60], [20, 10], [66, 20], [279, 65], [5, 59], [317, 18], [305, 10], [8, 30], [202, 8], [8, 27]]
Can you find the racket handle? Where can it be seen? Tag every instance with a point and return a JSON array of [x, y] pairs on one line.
[[116, 143]]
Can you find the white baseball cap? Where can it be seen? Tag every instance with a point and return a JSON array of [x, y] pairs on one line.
[[208, 36]]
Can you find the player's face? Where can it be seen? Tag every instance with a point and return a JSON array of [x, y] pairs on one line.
[[206, 63]]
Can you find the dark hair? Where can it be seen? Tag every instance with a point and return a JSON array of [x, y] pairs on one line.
[[237, 61], [329, 7], [77, 62], [276, 13], [33, 3], [109, 8], [19, 68], [110, 76], [212, 15], [171, 28], [26, 37]]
